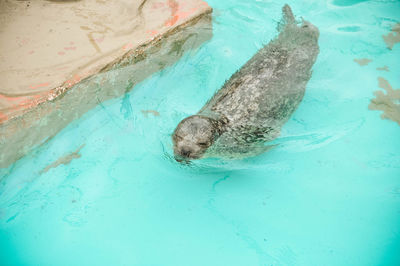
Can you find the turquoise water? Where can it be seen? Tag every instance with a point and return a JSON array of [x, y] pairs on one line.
[[328, 194]]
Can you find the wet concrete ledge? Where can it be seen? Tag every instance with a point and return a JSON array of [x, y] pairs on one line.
[[64, 87]]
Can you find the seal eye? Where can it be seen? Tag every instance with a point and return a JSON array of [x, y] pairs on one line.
[[203, 144]]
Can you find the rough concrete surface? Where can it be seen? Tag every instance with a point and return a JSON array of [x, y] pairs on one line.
[[61, 58], [362, 61], [393, 37], [388, 102]]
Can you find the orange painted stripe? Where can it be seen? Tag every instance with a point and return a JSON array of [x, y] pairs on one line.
[[39, 85], [3, 117]]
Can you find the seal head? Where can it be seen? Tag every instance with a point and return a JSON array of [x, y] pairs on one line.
[[193, 136]]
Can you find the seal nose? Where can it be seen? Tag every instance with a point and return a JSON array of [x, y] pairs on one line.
[[185, 152]]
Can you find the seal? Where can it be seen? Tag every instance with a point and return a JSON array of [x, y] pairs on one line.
[[253, 105]]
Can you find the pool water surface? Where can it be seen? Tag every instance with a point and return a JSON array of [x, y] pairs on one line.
[[105, 190]]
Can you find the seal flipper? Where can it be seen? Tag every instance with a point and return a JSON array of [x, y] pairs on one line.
[[287, 17]]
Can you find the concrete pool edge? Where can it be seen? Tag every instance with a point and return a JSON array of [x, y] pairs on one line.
[[23, 133]]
